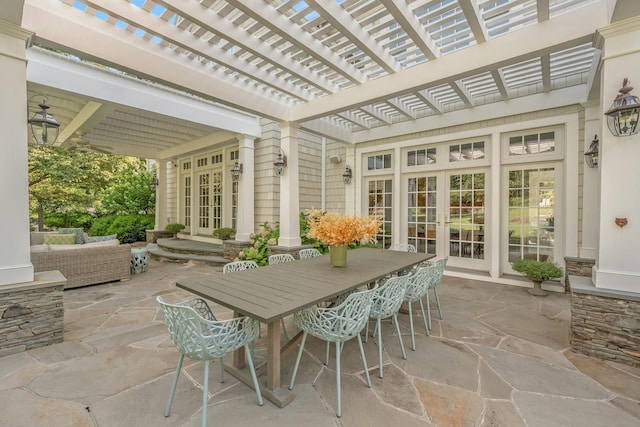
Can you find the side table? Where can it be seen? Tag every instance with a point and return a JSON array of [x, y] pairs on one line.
[[139, 260]]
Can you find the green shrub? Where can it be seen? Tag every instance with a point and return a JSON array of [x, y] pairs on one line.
[[174, 228], [538, 271], [129, 228], [68, 220], [304, 230], [224, 233], [259, 251]]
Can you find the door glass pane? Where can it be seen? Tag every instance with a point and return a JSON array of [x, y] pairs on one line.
[[531, 214], [186, 219], [380, 206], [217, 200], [422, 221], [203, 199], [466, 215]]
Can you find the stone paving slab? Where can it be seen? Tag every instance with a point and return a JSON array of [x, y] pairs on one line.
[[499, 358]]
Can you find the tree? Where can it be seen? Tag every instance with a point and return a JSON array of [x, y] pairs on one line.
[[66, 182], [131, 194]]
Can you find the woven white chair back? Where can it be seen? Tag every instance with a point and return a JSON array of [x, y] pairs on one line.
[[234, 266], [309, 253], [280, 259]]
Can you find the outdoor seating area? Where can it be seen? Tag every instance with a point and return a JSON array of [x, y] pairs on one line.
[[505, 351]]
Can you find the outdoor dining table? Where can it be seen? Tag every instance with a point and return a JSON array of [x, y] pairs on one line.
[[272, 292]]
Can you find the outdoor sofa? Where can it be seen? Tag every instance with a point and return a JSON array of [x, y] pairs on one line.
[[82, 263]]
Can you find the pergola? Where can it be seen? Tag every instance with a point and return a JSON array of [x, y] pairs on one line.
[[349, 70]]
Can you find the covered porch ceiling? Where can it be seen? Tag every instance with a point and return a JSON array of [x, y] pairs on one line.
[[351, 70]]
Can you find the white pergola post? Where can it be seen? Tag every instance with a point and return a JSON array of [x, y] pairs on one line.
[[246, 188], [590, 184], [289, 188], [161, 195], [617, 266], [15, 258]]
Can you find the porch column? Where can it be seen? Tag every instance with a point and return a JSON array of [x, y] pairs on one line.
[[161, 195], [15, 258], [246, 188], [590, 184], [289, 188], [617, 266]]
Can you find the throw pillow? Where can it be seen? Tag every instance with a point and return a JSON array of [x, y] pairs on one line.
[[59, 239], [93, 239], [77, 232]]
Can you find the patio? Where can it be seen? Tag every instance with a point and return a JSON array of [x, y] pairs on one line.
[[500, 358]]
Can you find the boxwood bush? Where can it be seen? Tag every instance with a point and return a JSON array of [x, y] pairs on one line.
[[129, 228]]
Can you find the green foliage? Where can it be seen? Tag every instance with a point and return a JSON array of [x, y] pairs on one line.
[[129, 228], [224, 233], [538, 271], [70, 183], [259, 251], [304, 230], [174, 228], [68, 219], [131, 193]]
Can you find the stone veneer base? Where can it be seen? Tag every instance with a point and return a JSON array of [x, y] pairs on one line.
[[32, 313], [605, 323]]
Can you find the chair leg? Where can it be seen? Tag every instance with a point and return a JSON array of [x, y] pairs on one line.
[[395, 320], [428, 310], [366, 332], [413, 340], [338, 397], [435, 291], [284, 329], [326, 354], [221, 370], [253, 375], [364, 361], [173, 386], [378, 326], [295, 367], [424, 318], [205, 393]]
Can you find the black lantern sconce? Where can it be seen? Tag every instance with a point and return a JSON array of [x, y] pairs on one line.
[[280, 163], [622, 117], [236, 171], [347, 175], [591, 156], [44, 127]]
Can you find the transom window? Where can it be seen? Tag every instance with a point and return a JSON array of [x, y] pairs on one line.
[[533, 143], [216, 158], [421, 157], [380, 161], [466, 152], [234, 155]]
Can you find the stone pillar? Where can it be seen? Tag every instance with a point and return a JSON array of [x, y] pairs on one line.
[[617, 266], [289, 188], [246, 188], [15, 259]]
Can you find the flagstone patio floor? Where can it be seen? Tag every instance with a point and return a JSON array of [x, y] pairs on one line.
[[500, 357]]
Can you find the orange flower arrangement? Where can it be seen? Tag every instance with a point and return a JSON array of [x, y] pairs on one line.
[[338, 229]]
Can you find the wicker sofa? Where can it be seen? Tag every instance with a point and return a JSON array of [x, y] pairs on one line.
[[83, 264]]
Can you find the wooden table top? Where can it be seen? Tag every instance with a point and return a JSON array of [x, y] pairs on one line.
[[272, 292]]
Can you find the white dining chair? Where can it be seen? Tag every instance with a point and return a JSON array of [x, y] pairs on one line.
[[232, 267], [309, 253], [386, 303], [402, 247], [197, 334], [418, 284], [337, 325], [280, 259], [439, 265]]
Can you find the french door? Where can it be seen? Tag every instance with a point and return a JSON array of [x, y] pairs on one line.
[[209, 201], [446, 215]]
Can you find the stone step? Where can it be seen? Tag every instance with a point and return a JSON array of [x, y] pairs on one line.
[[160, 254], [184, 246]]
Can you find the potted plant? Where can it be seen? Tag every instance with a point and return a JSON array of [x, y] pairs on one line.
[[224, 233], [174, 228], [537, 272], [338, 231]]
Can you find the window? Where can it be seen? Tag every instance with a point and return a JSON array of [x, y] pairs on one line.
[[466, 152], [201, 162], [533, 143], [234, 155], [380, 206], [187, 200], [531, 213], [421, 157], [380, 161], [422, 211], [216, 158]]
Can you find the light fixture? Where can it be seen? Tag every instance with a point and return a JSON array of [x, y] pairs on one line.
[[44, 127], [622, 117], [153, 184], [236, 171], [280, 163], [591, 156], [346, 176]]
